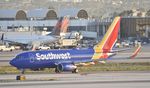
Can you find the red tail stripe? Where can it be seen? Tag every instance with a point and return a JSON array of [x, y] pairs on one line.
[[112, 38], [64, 25]]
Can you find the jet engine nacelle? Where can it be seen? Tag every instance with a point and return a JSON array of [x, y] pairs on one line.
[[66, 67]]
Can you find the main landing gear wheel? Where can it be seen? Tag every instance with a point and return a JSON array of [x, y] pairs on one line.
[[22, 71], [56, 70], [75, 71]]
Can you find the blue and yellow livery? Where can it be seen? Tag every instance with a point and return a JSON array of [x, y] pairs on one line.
[[69, 59]]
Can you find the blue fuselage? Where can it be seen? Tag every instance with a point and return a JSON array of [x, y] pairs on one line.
[[51, 58]]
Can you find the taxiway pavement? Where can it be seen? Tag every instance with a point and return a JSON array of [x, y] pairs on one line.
[[83, 80]]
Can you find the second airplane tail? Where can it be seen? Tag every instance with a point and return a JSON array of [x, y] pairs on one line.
[[61, 26], [64, 25]]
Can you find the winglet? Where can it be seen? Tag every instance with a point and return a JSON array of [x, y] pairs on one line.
[[135, 53]]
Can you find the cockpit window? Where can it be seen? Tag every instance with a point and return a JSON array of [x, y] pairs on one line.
[[19, 57]]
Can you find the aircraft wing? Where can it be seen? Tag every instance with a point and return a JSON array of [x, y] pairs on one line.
[[132, 56], [125, 49], [120, 50], [12, 41]]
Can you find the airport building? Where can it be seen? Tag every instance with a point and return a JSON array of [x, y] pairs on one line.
[[135, 27], [46, 19], [129, 27]]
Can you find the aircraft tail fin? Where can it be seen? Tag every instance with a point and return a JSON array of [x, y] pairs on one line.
[[109, 38], [64, 25], [61, 26]]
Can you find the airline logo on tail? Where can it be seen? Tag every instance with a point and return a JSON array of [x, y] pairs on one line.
[[102, 49]]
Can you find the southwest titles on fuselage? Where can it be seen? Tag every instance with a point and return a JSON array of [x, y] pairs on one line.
[[52, 56]]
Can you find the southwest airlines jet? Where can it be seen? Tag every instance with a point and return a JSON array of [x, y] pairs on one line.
[[69, 59]]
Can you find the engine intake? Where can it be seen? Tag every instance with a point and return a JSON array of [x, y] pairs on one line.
[[66, 67]]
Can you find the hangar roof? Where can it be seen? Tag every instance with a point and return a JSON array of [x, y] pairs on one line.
[[41, 13], [37, 13], [72, 12]]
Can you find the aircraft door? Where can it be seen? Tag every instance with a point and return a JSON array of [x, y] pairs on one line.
[[31, 57]]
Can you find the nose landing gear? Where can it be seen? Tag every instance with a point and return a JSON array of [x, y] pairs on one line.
[[21, 76]]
